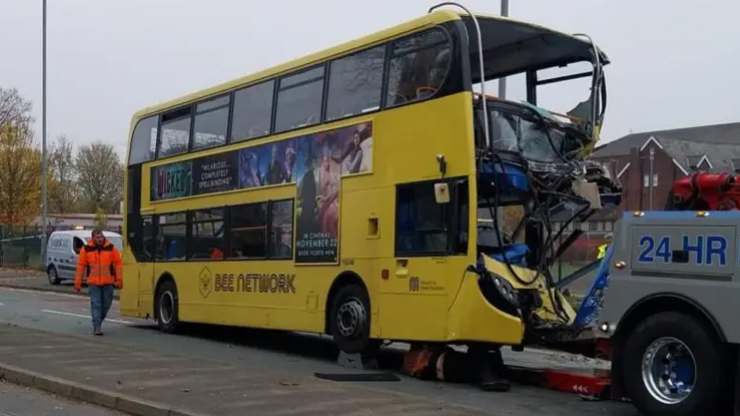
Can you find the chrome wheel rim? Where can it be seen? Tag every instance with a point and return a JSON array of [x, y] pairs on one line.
[[669, 370], [351, 318], [166, 307], [52, 275]]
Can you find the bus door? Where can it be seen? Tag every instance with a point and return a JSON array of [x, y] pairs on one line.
[[146, 266], [138, 255], [431, 243]]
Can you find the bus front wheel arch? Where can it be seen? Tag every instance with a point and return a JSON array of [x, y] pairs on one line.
[[348, 314], [166, 305]]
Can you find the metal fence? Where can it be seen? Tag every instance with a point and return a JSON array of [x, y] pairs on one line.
[[20, 248]]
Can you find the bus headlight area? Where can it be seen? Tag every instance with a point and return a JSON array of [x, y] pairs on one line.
[[499, 292]]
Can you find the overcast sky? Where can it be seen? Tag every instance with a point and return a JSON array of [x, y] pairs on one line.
[[674, 62]]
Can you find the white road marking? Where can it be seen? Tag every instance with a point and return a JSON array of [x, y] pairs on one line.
[[40, 293], [76, 315]]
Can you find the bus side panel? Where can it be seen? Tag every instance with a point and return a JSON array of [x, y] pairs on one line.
[[366, 223], [261, 294], [416, 297], [365, 227]]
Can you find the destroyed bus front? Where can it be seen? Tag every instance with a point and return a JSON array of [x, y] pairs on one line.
[[530, 167]]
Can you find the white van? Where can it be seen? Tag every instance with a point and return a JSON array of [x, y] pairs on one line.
[[63, 249]]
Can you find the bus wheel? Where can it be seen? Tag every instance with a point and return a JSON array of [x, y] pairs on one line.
[[53, 276], [673, 366], [350, 319], [167, 311]]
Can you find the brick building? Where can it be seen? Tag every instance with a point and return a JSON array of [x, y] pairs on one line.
[[675, 153]]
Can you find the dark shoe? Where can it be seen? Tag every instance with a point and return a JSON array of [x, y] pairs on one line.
[[499, 386], [97, 332], [490, 379]]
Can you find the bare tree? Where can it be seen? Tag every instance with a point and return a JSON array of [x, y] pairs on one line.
[[14, 109], [100, 177], [63, 191], [20, 160]]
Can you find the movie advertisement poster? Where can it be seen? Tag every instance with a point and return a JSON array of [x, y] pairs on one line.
[[315, 163], [171, 181], [322, 159], [217, 173], [269, 164]]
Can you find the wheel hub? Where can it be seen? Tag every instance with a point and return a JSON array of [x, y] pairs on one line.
[[669, 370], [166, 307], [351, 318]]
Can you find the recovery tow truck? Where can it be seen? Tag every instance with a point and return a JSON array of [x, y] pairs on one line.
[[665, 296]]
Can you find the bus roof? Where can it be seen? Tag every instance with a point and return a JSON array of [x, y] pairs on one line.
[[573, 49], [521, 46]]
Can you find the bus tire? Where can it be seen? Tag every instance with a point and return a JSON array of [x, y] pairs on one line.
[[350, 319], [167, 307], [665, 350]]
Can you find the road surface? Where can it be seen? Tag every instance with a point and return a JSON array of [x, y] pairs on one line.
[[22, 401], [279, 351]]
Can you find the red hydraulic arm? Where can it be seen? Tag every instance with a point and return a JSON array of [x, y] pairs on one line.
[[705, 191]]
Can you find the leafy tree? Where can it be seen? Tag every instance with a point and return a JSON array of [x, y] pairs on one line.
[[101, 219], [100, 177], [20, 160]]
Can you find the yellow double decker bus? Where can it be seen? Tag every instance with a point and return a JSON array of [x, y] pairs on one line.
[[352, 192]]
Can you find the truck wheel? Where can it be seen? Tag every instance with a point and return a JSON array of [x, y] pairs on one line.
[[673, 366], [350, 319], [53, 276], [167, 308]]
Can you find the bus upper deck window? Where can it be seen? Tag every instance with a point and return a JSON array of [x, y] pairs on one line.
[[300, 99], [355, 83], [175, 133], [418, 67], [252, 111], [211, 122], [144, 141]]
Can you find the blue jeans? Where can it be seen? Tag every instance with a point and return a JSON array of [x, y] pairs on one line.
[[101, 297]]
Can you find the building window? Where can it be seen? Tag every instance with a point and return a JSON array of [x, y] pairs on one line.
[[299, 100], [646, 180], [252, 115], [609, 226], [593, 226], [693, 161], [211, 122], [418, 67], [736, 165], [355, 84]]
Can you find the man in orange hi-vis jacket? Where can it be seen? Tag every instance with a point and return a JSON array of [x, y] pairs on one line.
[[101, 261]]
